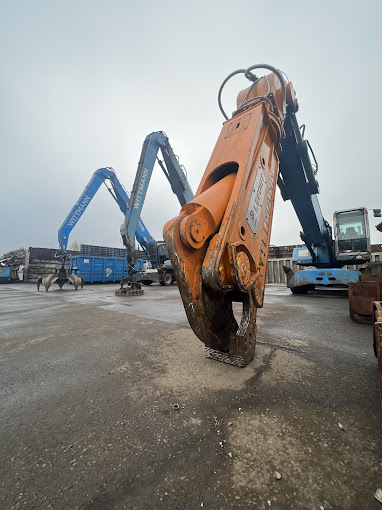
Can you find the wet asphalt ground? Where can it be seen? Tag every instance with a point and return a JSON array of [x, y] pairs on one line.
[[109, 403]]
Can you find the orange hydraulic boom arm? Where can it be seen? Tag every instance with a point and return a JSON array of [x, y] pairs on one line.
[[219, 243]]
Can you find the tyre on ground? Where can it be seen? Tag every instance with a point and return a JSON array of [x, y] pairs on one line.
[[167, 279], [303, 289]]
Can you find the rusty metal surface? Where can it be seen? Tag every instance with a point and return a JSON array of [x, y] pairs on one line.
[[377, 337], [362, 294], [129, 292], [219, 243], [129, 287], [374, 267], [230, 359]]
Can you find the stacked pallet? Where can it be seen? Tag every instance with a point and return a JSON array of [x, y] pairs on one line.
[[282, 252], [90, 250]]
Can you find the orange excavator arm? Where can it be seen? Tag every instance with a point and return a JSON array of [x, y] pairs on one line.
[[219, 243]]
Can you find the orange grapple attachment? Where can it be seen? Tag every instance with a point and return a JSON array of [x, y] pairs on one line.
[[219, 243]]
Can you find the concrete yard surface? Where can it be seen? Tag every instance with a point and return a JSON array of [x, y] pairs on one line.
[[109, 403]]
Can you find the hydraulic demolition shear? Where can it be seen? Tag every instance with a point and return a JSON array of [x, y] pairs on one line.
[[219, 243]]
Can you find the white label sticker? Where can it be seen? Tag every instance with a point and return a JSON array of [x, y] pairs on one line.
[[256, 202]]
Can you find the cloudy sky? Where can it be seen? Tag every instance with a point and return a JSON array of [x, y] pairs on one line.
[[83, 83]]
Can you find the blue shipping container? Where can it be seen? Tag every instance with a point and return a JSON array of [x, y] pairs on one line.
[[98, 269], [5, 274]]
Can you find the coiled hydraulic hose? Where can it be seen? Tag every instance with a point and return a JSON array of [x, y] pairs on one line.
[[250, 76]]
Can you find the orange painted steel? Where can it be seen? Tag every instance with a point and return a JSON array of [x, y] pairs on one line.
[[219, 243]]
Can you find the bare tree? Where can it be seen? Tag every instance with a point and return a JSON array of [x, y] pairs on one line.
[[75, 246]]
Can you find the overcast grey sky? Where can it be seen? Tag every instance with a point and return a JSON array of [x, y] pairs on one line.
[[83, 83]]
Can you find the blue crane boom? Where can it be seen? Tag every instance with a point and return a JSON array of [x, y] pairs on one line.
[[174, 173], [323, 250], [117, 192], [298, 184]]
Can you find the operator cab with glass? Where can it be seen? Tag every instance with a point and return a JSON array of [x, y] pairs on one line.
[[157, 253], [352, 235]]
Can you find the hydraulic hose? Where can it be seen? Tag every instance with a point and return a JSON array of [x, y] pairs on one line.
[[250, 76]]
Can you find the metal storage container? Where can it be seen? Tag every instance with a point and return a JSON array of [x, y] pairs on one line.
[[5, 274], [98, 269]]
